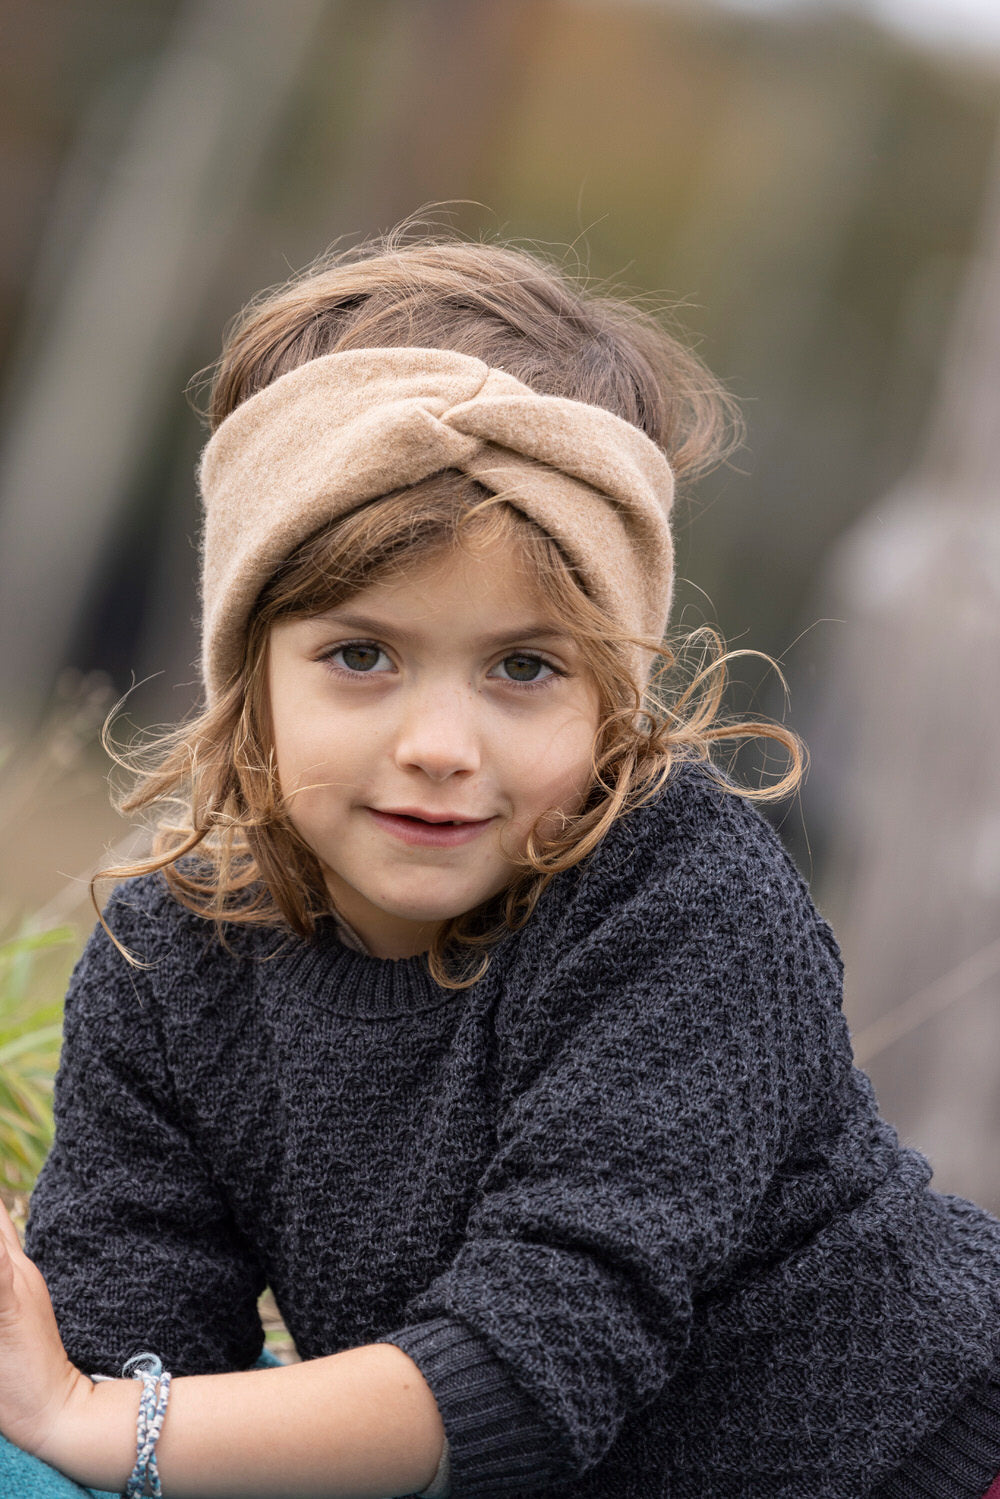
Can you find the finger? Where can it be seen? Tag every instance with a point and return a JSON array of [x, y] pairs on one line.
[[6, 1273], [8, 1233]]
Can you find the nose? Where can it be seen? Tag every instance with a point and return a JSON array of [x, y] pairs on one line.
[[439, 734]]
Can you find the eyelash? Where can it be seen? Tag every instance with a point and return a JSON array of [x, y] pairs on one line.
[[347, 673], [537, 682]]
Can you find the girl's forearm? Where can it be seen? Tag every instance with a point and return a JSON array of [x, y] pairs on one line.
[[362, 1424]]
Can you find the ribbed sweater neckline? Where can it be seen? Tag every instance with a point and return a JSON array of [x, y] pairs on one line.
[[336, 978]]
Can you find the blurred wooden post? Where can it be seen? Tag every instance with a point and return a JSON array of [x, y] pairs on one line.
[[916, 690], [93, 382]]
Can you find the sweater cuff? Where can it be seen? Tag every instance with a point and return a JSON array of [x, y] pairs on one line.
[[497, 1441], [960, 1459]]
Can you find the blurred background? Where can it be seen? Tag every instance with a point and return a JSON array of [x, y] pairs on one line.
[[817, 185]]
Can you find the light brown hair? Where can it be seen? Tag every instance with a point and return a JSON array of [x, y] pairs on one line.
[[213, 781]]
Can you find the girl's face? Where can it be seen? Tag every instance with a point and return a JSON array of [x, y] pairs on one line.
[[420, 730]]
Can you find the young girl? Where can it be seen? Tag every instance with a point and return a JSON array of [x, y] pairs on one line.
[[463, 1003]]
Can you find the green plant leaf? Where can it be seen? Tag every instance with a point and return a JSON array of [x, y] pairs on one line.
[[30, 1038], [22, 1046]]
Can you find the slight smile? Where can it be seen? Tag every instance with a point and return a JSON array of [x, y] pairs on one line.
[[430, 829]]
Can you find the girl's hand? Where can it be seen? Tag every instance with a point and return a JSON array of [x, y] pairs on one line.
[[38, 1384]]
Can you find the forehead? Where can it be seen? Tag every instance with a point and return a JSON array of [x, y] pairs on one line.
[[458, 584]]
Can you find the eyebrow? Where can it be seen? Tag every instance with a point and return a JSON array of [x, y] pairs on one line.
[[531, 630]]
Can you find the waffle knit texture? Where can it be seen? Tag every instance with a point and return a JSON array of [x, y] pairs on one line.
[[346, 428], [625, 1202]]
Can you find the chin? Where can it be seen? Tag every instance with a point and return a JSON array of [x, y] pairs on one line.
[[428, 915], [433, 913]]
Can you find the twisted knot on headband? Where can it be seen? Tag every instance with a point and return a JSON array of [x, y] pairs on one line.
[[346, 428]]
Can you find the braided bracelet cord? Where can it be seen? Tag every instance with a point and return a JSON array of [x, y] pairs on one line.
[[145, 1477]]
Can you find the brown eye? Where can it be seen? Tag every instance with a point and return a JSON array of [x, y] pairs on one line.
[[524, 668]]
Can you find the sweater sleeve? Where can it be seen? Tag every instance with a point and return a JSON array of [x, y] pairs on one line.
[[134, 1239], [656, 1078]]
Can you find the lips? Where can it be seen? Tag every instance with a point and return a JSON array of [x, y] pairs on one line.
[[429, 829], [418, 815]]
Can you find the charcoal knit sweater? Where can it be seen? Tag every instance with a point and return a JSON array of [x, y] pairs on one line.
[[625, 1202]]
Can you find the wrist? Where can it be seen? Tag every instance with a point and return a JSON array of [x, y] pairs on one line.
[[93, 1439]]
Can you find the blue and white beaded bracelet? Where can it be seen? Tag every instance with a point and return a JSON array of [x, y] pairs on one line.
[[145, 1478]]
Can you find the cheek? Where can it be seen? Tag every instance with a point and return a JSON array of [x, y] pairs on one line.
[[557, 773], [310, 753]]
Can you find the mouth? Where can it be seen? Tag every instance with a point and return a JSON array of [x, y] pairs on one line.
[[430, 829]]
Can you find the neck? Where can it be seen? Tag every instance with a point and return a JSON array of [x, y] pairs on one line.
[[387, 939], [389, 945]]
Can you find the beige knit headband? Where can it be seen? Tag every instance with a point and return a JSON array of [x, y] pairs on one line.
[[346, 428]]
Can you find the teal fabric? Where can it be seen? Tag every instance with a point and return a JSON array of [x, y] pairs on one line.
[[24, 1477]]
